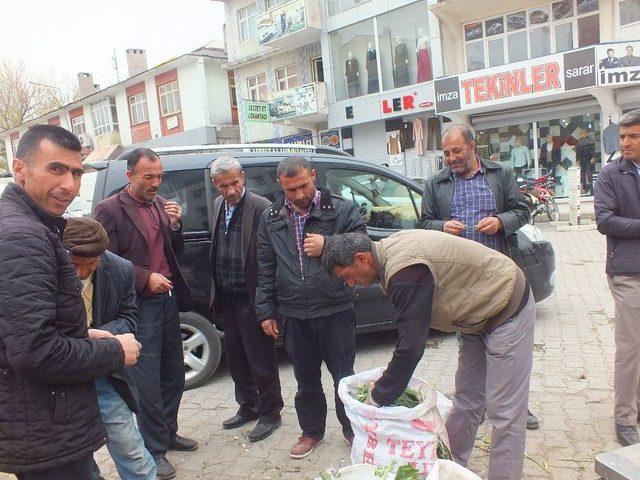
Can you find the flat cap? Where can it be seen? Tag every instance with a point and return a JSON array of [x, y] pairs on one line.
[[85, 237]]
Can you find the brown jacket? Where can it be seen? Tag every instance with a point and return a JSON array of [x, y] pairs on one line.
[[475, 286], [253, 207], [119, 216]]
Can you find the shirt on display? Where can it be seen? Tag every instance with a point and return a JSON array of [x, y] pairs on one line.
[[401, 65], [418, 135], [406, 135], [611, 138], [394, 146], [425, 72], [372, 71]]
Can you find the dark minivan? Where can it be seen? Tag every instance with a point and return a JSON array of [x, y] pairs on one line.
[[388, 201]]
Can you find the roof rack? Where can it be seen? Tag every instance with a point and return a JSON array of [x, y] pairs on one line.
[[251, 147]]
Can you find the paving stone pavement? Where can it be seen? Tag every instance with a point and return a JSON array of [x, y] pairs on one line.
[[571, 390]]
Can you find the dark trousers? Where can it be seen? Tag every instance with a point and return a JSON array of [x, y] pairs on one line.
[[308, 343], [159, 372], [81, 469], [251, 356]]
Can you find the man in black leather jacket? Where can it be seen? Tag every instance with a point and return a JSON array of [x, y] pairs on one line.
[[317, 310]]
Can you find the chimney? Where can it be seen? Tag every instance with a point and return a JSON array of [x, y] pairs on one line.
[[86, 86], [136, 61]]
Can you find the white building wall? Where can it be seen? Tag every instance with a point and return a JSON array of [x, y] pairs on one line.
[[154, 108], [124, 122], [218, 96], [191, 96]]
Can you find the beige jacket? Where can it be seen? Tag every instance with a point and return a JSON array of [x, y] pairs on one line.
[[476, 288]]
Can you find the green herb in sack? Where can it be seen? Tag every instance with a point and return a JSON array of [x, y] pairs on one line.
[[409, 398], [407, 472], [443, 451], [383, 471]]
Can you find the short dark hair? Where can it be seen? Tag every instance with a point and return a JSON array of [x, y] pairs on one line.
[[291, 166], [630, 119], [340, 250], [30, 141], [134, 156], [463, 130], [610, 50]]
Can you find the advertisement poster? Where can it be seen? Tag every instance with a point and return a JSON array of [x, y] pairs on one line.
[[331, 138], [282, 21], [618, 63], [294, 102]]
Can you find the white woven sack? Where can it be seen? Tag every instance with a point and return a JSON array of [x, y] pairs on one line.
[[383, 435], [448, 470]]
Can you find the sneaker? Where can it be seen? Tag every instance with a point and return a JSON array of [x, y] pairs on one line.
[[304, 446], [627, 435]]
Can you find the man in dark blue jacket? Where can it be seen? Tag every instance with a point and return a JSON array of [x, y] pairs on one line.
[[617, 206], [109, 298], [317, 309]]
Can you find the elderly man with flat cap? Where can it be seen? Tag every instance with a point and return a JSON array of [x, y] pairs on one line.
[[110, 301]]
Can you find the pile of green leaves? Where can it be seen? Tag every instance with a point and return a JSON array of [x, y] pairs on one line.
[[405, 472], [409, 398], [443, 451]]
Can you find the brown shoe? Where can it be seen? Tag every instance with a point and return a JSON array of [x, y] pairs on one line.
[[304, 447]]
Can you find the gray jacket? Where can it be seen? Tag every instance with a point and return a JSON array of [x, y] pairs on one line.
[[510, 206], [617, 206], [282, 287]]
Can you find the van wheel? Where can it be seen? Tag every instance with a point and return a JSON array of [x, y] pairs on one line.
[[201, 348]]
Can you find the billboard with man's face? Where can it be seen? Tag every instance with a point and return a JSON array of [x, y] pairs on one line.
[[618, 63]]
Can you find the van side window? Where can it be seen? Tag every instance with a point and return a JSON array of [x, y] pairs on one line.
[[187, 189], [383, 201], [262, 181]]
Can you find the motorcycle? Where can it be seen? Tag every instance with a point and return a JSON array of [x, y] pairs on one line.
[[538, 195]]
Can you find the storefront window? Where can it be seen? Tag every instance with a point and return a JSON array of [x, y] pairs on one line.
[[629, 12], [339, 6], [405, 51], [354, 60], [541, 30], [567, 142], [512, 146]]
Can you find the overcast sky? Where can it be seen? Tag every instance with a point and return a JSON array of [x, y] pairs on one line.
[[70, 36]]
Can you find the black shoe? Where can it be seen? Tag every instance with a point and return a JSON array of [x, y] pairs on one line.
[[627, 435], [532, 421], [165, 469], [238, 420], [263, 429], [183, 444]]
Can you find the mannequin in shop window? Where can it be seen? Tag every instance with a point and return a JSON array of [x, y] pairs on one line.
[[423, 54], [352, 76], [372, 69], [586, 157], [400, 64], [520, 157]]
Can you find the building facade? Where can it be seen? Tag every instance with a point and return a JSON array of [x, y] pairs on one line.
[[185, 101], [542, 83], [275, 56]]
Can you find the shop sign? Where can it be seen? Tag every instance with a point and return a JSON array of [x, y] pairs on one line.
[[282, 21], [330, 138], [447, 91], [406, 102], [300, 139], [294, 102], [257, 111], [618, 63], [579, 69]]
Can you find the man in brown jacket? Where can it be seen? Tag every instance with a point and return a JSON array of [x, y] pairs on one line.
[[146, 229], [453, 285], [250, 353]]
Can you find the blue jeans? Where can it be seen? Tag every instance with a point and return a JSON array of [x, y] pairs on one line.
[[126, 447]]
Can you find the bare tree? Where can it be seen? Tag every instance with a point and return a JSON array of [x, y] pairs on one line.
[[24, 96]]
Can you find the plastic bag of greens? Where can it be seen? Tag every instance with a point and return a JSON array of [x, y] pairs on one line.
[[383, 435]]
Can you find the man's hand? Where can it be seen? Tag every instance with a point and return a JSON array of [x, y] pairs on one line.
[[453, 227], [489, 225], [158, 283], [369, 400], [313, 244], [270, 327], [174, 212], [130, 346], [95, 334]]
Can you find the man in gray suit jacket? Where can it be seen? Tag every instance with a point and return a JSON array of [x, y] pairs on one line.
[[110, 301], [250, 353]]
